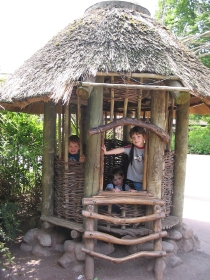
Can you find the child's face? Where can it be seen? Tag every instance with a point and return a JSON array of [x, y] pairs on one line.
[[118, 180], [138, 140], [73, 148]]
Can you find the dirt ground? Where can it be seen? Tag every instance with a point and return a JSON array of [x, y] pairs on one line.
[[196, 265]]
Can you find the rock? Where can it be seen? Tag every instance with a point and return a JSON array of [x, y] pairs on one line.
[[174, 234], [59, 248], [69, 246], [43, 238], [79, 255], [79, 267], [147, 246], [150, 266], [66, 260], [186, 231], [40, 251], [168, 247], [187, 245], [175, 261], [104, 248], [176, 248], [29, 236], [26, 247]]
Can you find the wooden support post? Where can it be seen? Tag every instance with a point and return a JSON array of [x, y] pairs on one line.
[[93, 147], [158, 267], [66, 133], [181, 146], [156, 148], [89, 244], [48, 158]]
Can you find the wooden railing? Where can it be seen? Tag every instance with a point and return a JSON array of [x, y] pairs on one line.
[[90, 234]]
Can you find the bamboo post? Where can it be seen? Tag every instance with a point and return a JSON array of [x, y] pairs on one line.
[[125, 111], [112, 105], [101, 181], [170, 123], [158, 267], [66, 134], [139, 101], [63, 122], [89, 244], [79, 118], [123, 214], [49, 136], [181, 146], [59, 133]]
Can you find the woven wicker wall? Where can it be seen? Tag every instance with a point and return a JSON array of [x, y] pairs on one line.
[[69, 184]]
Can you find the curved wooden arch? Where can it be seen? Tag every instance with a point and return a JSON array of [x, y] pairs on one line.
[[128, 121]]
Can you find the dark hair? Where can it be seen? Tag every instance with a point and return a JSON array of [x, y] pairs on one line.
[[74, 139], [137, 130], [116, 171]]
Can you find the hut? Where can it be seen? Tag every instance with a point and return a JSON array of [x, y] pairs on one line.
[[114, 67]]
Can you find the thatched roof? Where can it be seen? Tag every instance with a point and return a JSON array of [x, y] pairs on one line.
[[107, 39]]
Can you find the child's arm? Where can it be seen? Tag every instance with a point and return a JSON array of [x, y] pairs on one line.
[[114, 151], [82, 158]]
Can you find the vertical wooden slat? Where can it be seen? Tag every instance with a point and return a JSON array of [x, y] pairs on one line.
[[139, 101], [101, 182], [170, 123], [79, 119], [59, 132], [158, 267], [89, 244], [63, 132], [66, 133]]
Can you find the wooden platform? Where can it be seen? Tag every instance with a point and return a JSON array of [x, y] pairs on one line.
[[169, 222], [63, 223]]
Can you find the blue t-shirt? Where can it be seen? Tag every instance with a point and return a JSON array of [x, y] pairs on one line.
[[74, 157], [111, 186]]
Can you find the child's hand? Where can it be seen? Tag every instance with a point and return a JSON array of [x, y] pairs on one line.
[[104, 149], [117, 190], [82, 158], [131, 190]]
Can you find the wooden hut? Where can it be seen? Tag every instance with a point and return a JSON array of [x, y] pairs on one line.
[[115, 66]]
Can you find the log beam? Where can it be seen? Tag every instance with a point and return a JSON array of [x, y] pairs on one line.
[[130, 257], [114, 240], [122, 200], [129, 121], [130, 86], [120, 221]]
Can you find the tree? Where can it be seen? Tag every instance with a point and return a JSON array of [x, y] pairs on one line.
[[190, 21]]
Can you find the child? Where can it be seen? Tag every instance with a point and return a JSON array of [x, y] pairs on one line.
[[136, 156], [116, 177], [73, 147]]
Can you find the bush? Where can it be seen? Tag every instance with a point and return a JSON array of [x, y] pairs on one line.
[[199, 140]]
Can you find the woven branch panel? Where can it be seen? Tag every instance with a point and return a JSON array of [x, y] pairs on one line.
[[168, 181], [69, 185], [69, 189]]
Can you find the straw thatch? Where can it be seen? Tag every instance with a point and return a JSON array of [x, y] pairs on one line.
[[106, 39]]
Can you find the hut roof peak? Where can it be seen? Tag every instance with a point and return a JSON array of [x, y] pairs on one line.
[[119, 4]]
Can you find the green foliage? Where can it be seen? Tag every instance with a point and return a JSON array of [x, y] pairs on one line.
[[20, 152], [199, 134], [186, 18], [9, 224]]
